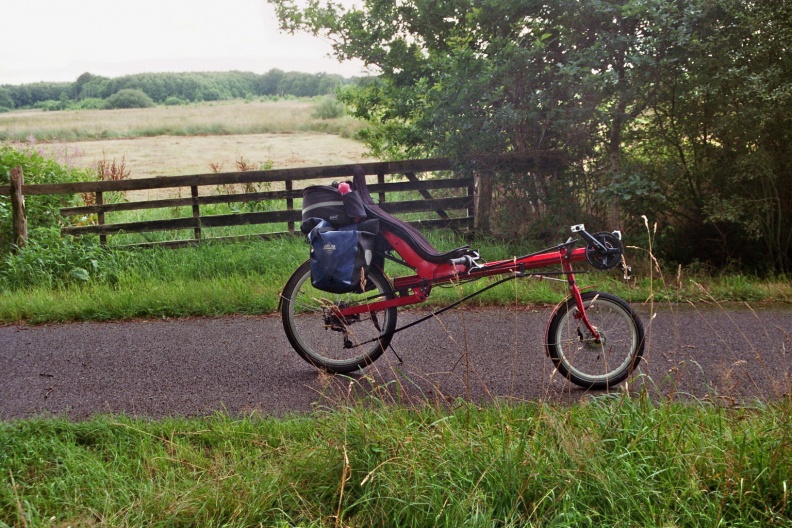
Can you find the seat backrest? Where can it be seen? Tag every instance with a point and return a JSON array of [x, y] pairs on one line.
[[402, 229]]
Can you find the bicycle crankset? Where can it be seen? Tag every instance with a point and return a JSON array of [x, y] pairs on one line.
[[334, 321], [606, 253]]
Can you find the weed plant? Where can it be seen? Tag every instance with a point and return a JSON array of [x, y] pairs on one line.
[[36, 168]]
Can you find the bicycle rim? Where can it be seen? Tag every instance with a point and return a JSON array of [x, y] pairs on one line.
[[334, 343], [590, 362]]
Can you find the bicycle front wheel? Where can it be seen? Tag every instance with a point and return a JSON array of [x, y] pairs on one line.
[[585, 360], [331, 342]]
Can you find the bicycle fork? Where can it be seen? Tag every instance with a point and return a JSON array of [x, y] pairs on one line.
[[575, 292]]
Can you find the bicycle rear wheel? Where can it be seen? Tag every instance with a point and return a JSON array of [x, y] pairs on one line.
[[595, 363], [330, 342]]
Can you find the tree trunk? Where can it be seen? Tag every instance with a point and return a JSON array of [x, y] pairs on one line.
[[484, 184]]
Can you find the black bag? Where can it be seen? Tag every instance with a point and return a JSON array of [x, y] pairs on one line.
[[325, 202], [340, 258]]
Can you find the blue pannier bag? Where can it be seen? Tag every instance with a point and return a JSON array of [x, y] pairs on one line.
[[341, 257]]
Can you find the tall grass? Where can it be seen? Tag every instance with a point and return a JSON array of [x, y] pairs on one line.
[[613, 461]]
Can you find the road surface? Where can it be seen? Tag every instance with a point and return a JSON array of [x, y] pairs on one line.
[[244, 365]]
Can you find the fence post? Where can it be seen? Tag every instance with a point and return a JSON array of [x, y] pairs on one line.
[[196, 211], [471, 193], [483, 202], [290, 203], [381, 181], [101, 216], [18, 211]]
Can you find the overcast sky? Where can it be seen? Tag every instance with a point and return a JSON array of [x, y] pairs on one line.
[[57, 40]]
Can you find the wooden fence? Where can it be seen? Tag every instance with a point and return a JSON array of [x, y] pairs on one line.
[[468, 208]]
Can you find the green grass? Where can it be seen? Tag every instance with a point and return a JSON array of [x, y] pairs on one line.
[[612, 461], [42, 285]]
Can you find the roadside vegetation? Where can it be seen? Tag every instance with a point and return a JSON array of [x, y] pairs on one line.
[[58, 279], [620, 460]]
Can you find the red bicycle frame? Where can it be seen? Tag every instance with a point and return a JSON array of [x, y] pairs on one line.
[[414, 289]]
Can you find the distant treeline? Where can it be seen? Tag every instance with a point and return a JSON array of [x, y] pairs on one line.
[[176, 87]]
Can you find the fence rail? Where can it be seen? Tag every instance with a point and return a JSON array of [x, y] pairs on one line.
[[465, 206]]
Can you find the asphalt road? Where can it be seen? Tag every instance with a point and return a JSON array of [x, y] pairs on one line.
[[245, 364]]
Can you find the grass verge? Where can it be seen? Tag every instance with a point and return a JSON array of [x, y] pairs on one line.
[[246, 278], [612, 461]]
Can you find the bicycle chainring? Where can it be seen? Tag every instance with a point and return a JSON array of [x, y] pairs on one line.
[[336, 322], [609, 260]]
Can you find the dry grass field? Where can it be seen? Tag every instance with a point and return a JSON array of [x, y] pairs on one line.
[[177, 155], [221, 117], [194, 139]]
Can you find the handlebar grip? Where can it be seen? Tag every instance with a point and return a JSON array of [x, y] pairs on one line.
[[468, 261]]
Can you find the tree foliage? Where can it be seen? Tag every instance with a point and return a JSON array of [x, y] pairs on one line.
[[189, 87], [674, 109], [6, 101]]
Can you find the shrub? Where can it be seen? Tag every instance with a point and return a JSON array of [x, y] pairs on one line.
[[51, 105], [90, 103], [175, 101], [129, 98], [55, 261], [42, 211], [329, 108]]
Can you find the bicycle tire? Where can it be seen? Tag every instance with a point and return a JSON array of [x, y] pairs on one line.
[[327, 342], [581, 359]]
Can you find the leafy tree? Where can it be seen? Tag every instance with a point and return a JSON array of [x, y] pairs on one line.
[[6, 101], [671, 105], [269, 83], [299, 84], [715, 142], [29, 94], [200, 86], [468, 78]]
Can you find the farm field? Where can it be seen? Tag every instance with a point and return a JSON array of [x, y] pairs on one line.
[[218, 118], [194, 139], [176, 155], [146, 157]]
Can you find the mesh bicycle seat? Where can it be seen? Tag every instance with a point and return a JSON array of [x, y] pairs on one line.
[[402, 229]]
